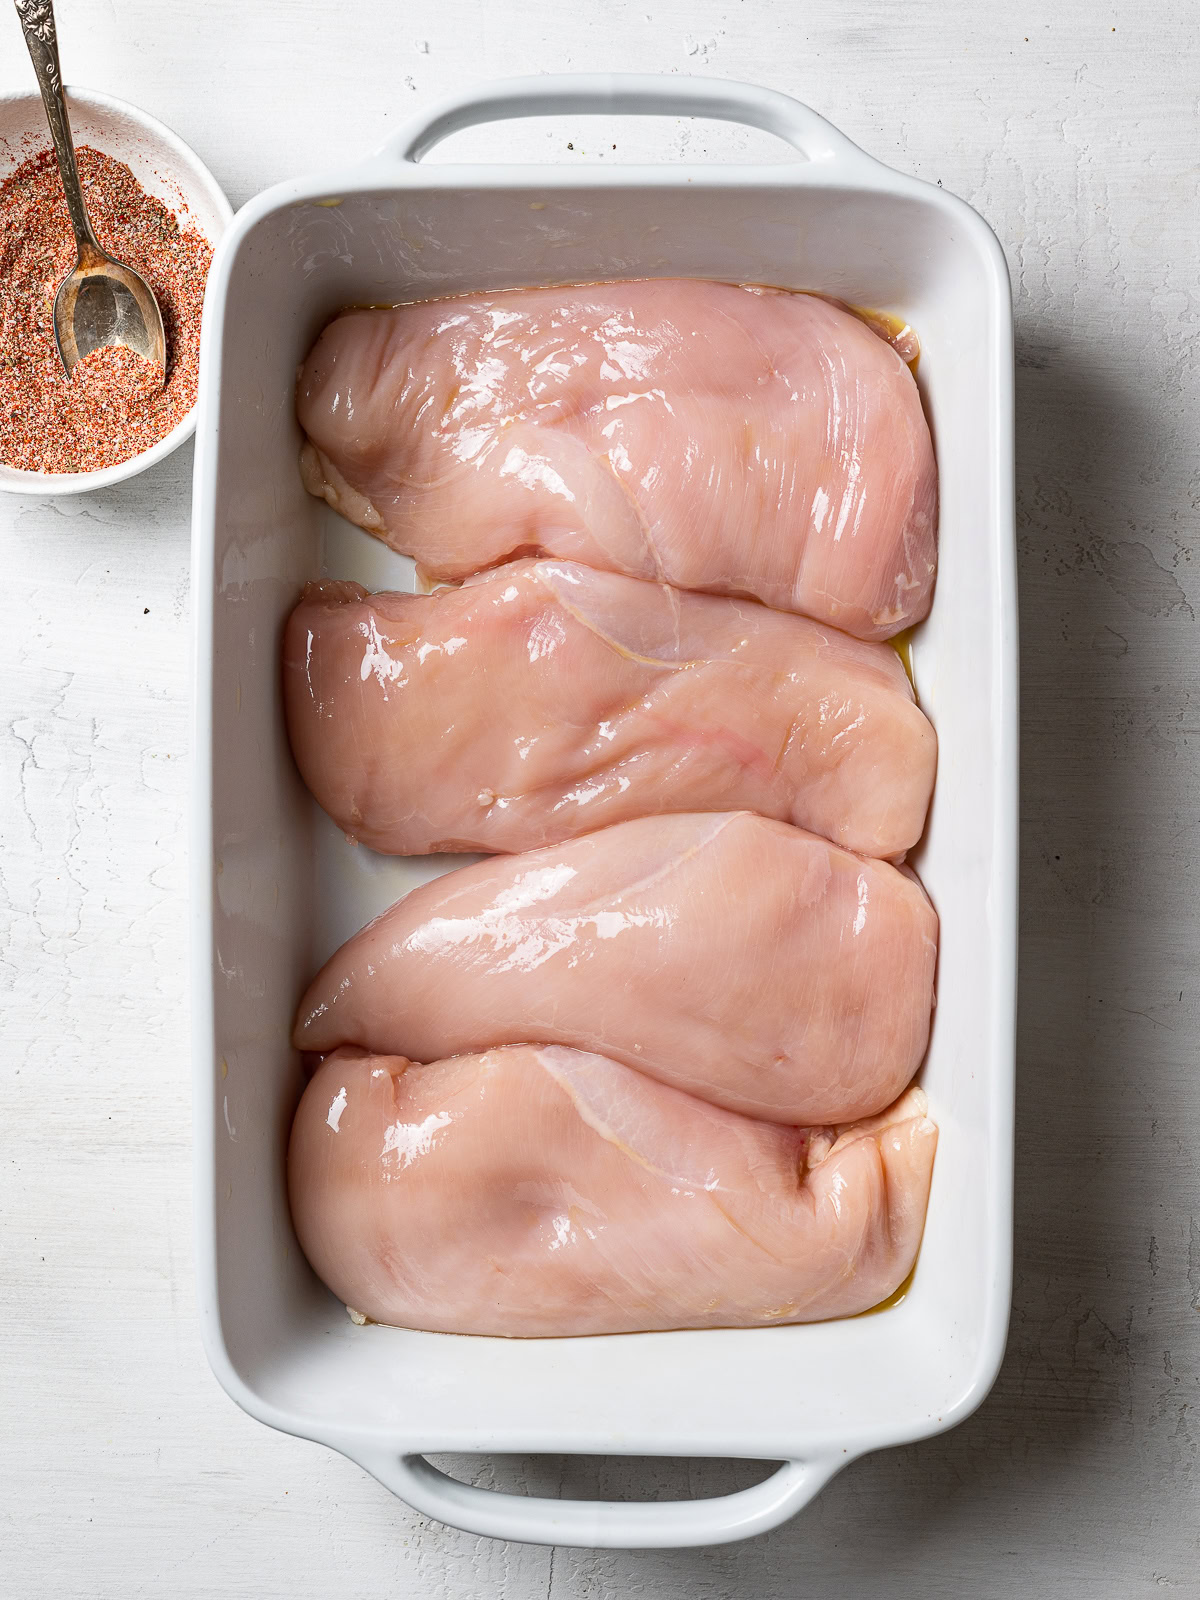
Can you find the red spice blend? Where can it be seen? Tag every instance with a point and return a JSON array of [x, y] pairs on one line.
[[107, 411]]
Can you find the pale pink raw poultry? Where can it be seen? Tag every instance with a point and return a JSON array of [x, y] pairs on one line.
[[755, 965], [712, 436], [543, 1191], [550, 699]]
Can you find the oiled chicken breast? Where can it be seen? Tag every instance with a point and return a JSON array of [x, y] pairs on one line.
[[711, 436], [549, 700], [757, 966], [543, 1191]]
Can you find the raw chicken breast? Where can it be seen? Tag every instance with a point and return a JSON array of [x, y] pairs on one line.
[[717, 437], [550, 700], [543, 1192], [757, 966]]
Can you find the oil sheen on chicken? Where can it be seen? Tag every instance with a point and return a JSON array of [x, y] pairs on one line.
[[741, 959], [543, 1191], [549, 700], [708, 435]]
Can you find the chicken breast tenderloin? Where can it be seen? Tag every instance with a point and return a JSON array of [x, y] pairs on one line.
[[548, 700], [707, 435], [547, 1192], [754, 965]]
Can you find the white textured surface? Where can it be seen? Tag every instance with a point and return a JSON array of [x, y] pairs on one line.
[[124, 1471]]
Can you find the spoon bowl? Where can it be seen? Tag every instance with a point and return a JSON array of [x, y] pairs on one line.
[[103, 302]]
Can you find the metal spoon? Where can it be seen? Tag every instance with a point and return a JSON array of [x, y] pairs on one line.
[[103, 302]]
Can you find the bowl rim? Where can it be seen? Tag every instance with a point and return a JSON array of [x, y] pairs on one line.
[[14, 480]]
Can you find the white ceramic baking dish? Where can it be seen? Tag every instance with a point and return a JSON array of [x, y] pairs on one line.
[[275, 888]]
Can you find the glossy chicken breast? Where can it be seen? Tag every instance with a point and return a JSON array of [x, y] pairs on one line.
[[542, 1191], [550, 700], [757, 966], [711, 436]]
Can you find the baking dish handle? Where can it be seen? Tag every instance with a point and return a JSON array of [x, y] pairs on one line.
[[629, 94], [601, 1524]]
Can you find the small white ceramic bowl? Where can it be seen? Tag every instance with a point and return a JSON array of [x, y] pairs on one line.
[[166, 168]]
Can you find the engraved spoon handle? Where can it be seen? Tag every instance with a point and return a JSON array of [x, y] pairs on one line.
[[41, 36]]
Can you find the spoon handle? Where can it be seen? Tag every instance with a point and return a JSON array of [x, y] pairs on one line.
[[41, 36]]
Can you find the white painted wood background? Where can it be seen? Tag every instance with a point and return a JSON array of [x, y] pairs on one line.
[[124, 1471]]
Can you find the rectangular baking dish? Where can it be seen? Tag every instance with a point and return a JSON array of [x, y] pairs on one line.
[[275, 888]]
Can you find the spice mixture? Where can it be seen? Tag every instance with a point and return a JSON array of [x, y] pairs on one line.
[[113, 406]]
